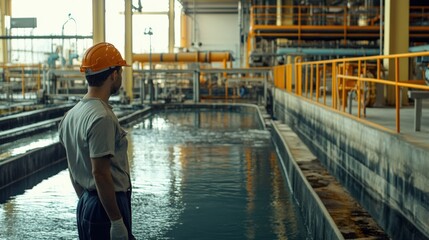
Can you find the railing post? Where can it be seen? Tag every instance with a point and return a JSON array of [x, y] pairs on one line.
[[39, 66], [343, 92], [142, 90], [45, 80], [324, 83], [196, 85], [150, 84], [334, 87], [311, 80], [358, 87], [397, 93], [317, 82], [23, 82], [265, 88]]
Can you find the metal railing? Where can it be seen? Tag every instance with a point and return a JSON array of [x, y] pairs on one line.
[[334, 82], [25, 78], [331, 16], [314, 15], [202, 82], [311, 23]]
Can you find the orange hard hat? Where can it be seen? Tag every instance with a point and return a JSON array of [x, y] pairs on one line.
[[101, 57]]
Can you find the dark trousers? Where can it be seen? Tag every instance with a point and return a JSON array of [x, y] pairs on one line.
[[93, 221]]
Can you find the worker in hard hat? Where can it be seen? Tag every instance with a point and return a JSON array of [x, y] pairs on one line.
[[96, 149]]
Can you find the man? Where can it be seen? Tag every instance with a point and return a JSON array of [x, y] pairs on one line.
[[96, 149]]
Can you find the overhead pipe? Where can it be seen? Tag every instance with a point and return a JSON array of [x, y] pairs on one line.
[[206, 57], [329, 51], [421, 48]]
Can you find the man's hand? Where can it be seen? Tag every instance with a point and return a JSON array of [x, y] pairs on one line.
[[118, 231]]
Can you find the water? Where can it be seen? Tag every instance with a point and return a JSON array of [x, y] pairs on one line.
[[21, 146], [195, 175]]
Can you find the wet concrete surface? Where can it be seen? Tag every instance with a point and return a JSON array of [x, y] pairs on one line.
[[353, 221]]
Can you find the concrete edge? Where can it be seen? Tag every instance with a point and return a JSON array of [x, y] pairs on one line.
[[28, 130], [316, 215]]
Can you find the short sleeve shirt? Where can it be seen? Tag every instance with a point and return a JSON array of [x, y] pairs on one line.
[[91, 130]]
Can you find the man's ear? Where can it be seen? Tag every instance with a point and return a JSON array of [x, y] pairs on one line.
[[112, 75]]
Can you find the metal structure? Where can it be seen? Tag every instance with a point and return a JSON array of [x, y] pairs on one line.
[[341, 29], [312, 80]]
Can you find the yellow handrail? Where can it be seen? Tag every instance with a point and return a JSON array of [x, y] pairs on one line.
[[22, 77], [358, 74]]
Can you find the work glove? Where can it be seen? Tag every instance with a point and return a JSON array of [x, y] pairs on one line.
[[118, 231]]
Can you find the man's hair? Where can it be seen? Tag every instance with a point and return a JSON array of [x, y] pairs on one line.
[[98, 79]]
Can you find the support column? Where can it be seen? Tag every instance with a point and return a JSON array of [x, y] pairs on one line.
[[98, 21], [396, 40], [171, 26], [184, 35], [129, 49], [279, 12], [285, 16], [5, 10], [284, 12]]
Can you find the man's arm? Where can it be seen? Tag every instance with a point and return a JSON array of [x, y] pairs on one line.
[[105, 188], [106, 194]]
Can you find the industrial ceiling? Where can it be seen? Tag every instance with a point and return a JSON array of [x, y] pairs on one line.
[[231, 6], [210, 6]]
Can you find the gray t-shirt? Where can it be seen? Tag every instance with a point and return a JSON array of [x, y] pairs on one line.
[[90, 130]]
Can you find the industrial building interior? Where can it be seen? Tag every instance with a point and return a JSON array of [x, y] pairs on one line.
[[271, 46], [269, 33]]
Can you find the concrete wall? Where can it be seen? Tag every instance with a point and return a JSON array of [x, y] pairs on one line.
[[220, 32], [291, 150], [387, 175], [18, 168], [30, 117]]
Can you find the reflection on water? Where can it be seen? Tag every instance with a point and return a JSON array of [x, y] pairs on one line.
[[46, 211], [209, 175], [24, 145], [195, 175]]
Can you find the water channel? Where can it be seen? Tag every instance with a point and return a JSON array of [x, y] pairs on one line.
[[196, 174]]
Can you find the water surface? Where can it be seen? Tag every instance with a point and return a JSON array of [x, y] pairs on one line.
[[195, 175]]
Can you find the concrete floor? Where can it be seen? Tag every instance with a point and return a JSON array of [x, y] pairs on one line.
[[384, 117]]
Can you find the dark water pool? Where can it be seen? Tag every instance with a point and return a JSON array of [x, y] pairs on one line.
[[195, 174]]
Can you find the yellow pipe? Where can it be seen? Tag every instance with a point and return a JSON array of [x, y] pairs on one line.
[[317, 82], [324, 83], [334, 86], [311, 80], [183, 57], [306, 81], [397, 98], [359, 88]]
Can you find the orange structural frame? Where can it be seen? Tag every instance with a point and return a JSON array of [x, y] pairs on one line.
[[328, 23]]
